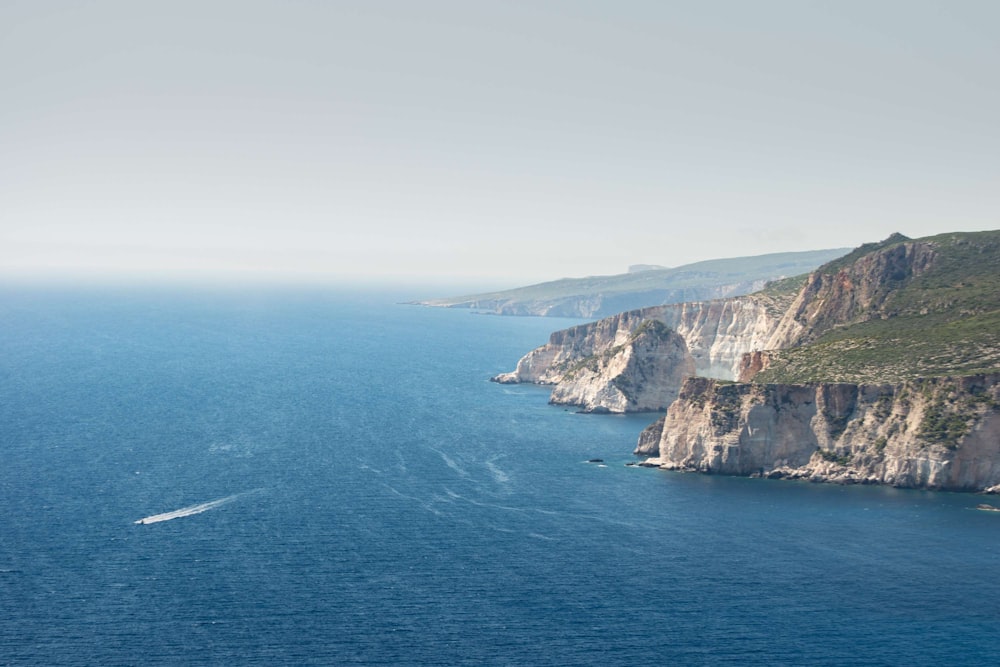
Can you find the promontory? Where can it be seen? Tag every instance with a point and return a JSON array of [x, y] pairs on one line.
[[882, 367]]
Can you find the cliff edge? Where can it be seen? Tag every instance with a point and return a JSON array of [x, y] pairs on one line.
[[710, 338], [937, 433], [879, 367]]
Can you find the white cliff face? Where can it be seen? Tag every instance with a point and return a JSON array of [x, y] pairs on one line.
[[642, 374], [566, 348], [937, 433], [719, 333], [715, 335], [941, 433]]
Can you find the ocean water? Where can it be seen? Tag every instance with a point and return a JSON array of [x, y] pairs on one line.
[[329, 478]]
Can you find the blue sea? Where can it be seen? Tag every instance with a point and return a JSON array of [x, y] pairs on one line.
[[327, 477]]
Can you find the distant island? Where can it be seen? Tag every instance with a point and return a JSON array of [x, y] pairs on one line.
[[879, 367], [643, 285]]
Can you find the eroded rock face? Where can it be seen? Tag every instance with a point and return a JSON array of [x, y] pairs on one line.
[[855, 293], [713, 337], [719, 333], [566, 348], [937, 433], [642, 374], [940, 433]]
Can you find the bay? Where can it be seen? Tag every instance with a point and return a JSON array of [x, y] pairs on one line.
[[337, 482]]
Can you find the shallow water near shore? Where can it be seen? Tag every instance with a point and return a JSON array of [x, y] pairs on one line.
[[334, 481]]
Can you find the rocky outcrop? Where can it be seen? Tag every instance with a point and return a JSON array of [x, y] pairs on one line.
[[858, 291], [713, 337], [566, 348], [939, 433], [877, 320], [719, 333], [643, 374]]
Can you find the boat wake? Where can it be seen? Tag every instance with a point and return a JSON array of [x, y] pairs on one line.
[[187, 511]]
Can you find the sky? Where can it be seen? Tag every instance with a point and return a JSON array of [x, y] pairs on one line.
[[489, 143]]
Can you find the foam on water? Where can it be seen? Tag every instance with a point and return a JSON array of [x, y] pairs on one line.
[[498, 474]]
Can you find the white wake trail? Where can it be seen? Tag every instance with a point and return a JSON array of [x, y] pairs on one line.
[[188, 511]]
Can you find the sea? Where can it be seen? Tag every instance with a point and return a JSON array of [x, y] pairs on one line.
[[326, 476]]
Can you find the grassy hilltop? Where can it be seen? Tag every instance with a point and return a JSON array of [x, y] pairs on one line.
[[937, 315]]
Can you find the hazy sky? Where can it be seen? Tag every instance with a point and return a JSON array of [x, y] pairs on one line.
[[503, 142]]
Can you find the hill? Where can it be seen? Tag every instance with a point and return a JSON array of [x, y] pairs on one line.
[[601, 296], [898, 310]]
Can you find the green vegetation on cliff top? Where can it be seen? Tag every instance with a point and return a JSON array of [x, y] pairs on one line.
[[945, 321]]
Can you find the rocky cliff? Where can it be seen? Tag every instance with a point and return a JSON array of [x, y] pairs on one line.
[[882, 367], [642, 374], [737, 338], [853, 289], [939, 433], [591, 363], [890, 312]]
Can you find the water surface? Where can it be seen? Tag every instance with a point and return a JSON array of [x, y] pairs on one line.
[[336, 482]]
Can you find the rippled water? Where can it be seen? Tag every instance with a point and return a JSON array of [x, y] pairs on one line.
[[328, 478]]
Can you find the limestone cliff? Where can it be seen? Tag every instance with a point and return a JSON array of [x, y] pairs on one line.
[[642, 374], [710, 338], [939, 433], [882, 367], [852, 290], [718, 334], [890, 312], [568, 347]]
